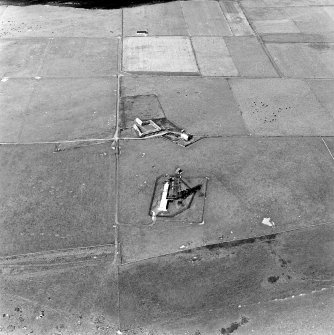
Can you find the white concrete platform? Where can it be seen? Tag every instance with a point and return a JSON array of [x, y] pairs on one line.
[[172, 54]]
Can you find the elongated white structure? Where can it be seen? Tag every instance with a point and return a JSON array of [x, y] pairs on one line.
[[164, 201], [139, 121]]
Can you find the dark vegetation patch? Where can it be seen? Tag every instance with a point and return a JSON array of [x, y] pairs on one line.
[[232, 244], [234, 326], [273, 279]]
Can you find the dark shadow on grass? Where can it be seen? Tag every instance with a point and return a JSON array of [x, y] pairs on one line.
[[89, 4]]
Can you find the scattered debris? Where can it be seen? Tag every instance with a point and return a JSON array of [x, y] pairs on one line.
[[195, 259], [267, 222], [163, 128], [41, 315], [172, 195], [4, 79], [185, 246]]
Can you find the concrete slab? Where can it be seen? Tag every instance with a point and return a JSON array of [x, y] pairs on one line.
[[56, 200], [299, 60], [281, 107], [275, 26], [236, 18], [77, 295], [322, 2], [213, 57], [80, 57], [205, 18], [249, 57], [324, 91], [223, 277], [159, 54], [293, 20], [249, 179], [21, 57], [232, 56], [87, 109], [150, 18], [285, 3], [51, 21], [266, 13], [202, 106], [12, 108], [330, 12], [252, 3], [307, 20], [298, 38], [312, 19], [272, 20]]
